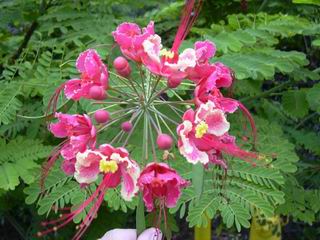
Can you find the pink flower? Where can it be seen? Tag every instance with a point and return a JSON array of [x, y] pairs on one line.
[[159, 181], [213, 117], [93, 74], [131, 234], [205, 50], [202, 94], [221, 77], [203, 136], [127, 169], [87, 166], [116, 167], [167, 63], [130, 38], [80, 134]]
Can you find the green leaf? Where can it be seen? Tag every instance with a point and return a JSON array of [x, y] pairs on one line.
[[140, 218], [316, 2], [235, 214], [197, 178], [295, 103], [316, 43], [313, 97], [271, 141], [18, 160], [207, 207], [9, 103]]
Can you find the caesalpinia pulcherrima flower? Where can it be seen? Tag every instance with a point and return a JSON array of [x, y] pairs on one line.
[[160, 182], [203, 135], [91, 84], [80, 135], [130, 39], [115, 166]]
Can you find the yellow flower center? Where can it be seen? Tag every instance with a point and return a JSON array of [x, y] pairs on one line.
[[201, 129], [108, 166], [166, 53]]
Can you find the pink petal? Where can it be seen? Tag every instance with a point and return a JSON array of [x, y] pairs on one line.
[[150, 234], [120, 234], [217, 122]]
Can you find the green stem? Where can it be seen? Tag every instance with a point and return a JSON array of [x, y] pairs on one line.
[[152, 139], [169, 129], [154, 87], [16, 225], [164, 116], [266, 93], [125, 81], [306, 119], [114, 121], [138, 115], [145, 138]]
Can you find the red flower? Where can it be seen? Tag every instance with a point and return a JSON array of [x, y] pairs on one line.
[[159, 181]]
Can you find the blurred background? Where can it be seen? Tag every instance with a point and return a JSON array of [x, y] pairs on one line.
[[273, 46]]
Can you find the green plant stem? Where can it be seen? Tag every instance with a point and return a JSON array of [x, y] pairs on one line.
[[145, 139], [266, 93], [154, 87], [152, 139], [126, 81], [142, 80], [138, 115], [154, 124], [164, 116], [264, 3], [104, 108], [306, 119], [167, 126], [158, 94], [16, 225], [122, 92], [158, 123], [114, 121]]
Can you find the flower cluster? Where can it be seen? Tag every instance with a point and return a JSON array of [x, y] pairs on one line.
[[203, 135]]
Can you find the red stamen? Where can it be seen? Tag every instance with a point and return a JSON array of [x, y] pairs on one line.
[[232, 150], [248, 115], [50, 162], [52, 104], [189, 15], [67, 218]]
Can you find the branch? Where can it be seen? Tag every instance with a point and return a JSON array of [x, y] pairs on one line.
[[266, 93], [43, 7], [25, 41]]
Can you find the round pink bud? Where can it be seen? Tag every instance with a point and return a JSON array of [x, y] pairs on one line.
[[120, 63], [126, 126], [164, 141], [97, 93], [174, 82], [125, 72], [101, 116]]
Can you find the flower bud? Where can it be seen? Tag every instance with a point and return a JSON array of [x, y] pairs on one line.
[[125, 72], [126, 126], [164, 141], [101, 116], [174, 82], [122, 66], [120, 63], [97, 93]]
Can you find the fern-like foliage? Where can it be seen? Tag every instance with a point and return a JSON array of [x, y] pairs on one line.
[[19, 160], [246, 188], [61, 191], [9, 102]]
